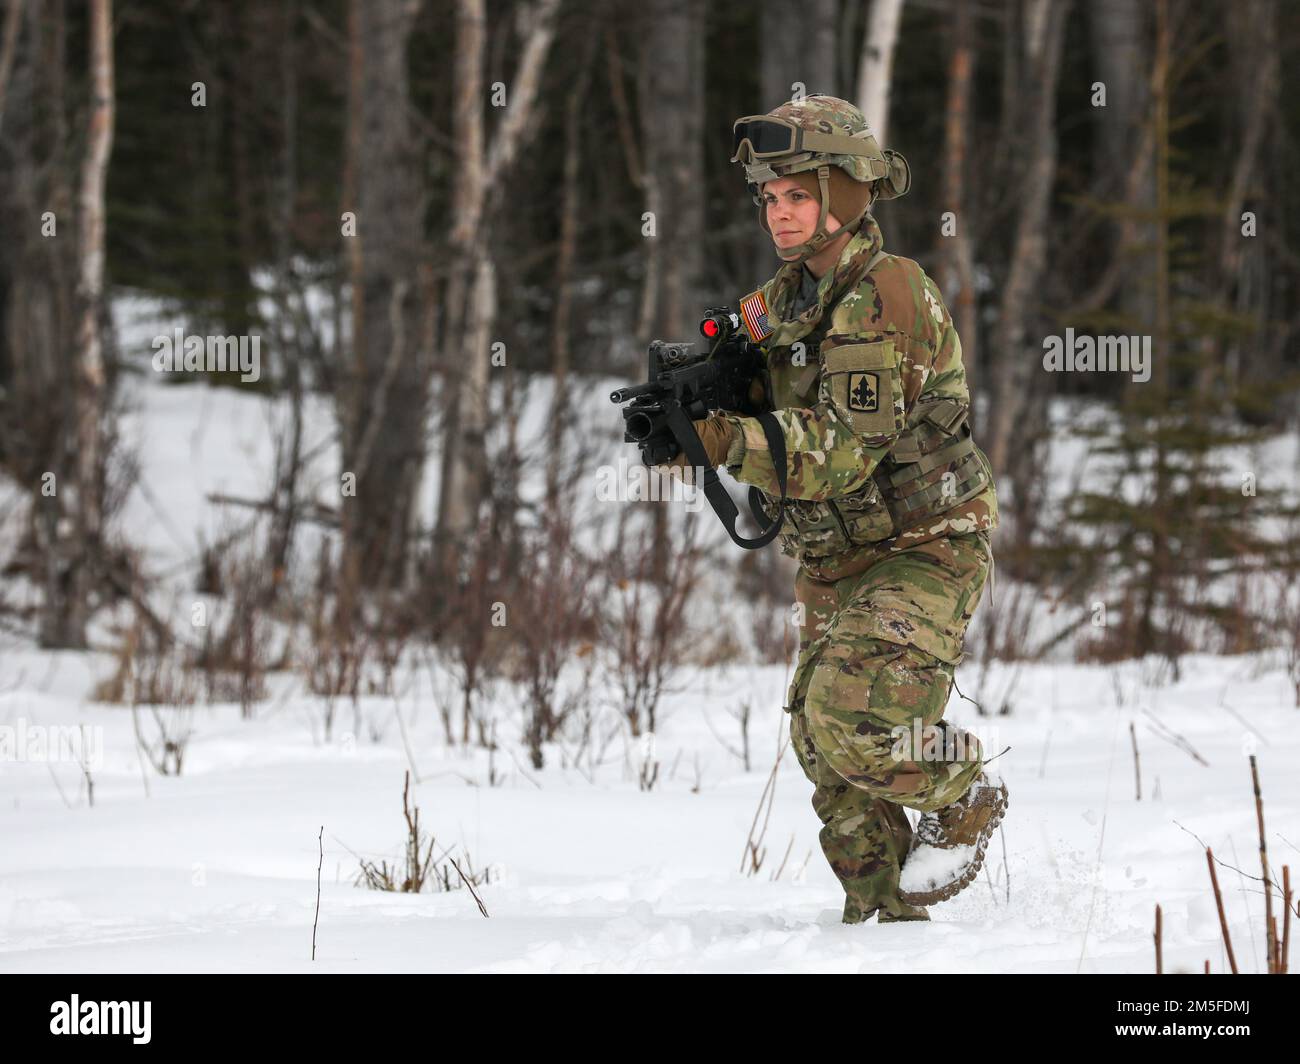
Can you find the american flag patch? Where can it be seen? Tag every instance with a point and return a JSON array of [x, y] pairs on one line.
[[753, 309]]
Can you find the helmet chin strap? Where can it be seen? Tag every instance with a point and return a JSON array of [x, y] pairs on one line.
[[821, 237]]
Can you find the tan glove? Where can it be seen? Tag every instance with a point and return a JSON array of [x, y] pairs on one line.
[[716, 434]]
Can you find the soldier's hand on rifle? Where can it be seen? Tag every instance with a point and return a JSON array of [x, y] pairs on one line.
[[715, 433]]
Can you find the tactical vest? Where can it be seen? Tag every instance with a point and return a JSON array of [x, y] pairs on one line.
[[932, 467]]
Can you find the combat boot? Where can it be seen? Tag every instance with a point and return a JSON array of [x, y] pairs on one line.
[[855, 914], [948, 846], [910, 913]]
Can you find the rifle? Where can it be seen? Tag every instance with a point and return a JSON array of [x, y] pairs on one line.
[[683, 386]]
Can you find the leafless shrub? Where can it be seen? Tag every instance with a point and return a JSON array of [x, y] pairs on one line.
[[443, 698], [338, 643], [390, 638], [645, 627], [716, 646], [476, 637], [236, 652], [1285, 619], [1277, 941], [553, 625], [742, 713], [419, 868], [153, 671], [584, 728], [335, 655], [647, 765], [1005, 622], [755, 849], [698, 780], [152, 668], [164, 744], [763, 580]]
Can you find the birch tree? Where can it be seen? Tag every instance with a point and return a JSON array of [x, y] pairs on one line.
[[471, 299], [65, 620], [876, 65]]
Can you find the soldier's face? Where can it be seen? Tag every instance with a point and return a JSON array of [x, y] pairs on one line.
[[792, 214]]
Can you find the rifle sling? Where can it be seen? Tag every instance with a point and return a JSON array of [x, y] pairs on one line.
[[689, 441]]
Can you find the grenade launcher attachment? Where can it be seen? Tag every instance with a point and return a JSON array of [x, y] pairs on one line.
[[683, 386]]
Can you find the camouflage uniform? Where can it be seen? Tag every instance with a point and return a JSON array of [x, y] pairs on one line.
[[892, 540]]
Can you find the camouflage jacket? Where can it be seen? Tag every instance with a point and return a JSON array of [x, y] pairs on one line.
[[849, 379]]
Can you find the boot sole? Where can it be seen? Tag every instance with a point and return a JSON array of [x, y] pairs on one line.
[[950, 890]]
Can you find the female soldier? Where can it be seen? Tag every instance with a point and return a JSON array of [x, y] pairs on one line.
[[889, 513]]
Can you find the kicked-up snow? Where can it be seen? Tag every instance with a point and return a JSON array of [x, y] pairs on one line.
[[928, 867]]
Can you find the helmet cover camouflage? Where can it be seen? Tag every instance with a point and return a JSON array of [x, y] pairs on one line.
[[830, 115]]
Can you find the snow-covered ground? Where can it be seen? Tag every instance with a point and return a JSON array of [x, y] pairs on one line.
[[216, 869]]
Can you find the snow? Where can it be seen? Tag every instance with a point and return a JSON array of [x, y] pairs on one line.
[[928, 866], [216, 869]]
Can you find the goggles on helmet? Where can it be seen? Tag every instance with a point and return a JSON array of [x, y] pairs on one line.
[[765, 137]]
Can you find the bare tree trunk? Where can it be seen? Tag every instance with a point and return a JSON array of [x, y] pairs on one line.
[[671, 97], [476, 396], [821, 40], [39, 316], [456, 505], [289, 456], [89, 383], [876, 67], [384, 396], [957, 278], [569, 228], [794, 52], [8, 43], [1123, 61], [1119, 48], [1253, 48], [468, 336], [1156, 580], [1044, 30]]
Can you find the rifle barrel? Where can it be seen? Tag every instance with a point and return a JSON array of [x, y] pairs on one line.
[[622, 395]]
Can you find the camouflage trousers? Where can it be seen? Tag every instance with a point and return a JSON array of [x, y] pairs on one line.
[[876, 659]]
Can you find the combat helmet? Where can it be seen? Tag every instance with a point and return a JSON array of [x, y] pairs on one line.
[[816, 133]]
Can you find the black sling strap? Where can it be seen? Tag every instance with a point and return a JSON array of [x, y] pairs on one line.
[[689, 441]]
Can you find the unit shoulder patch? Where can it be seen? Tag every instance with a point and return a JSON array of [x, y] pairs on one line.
[[864, 392]]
